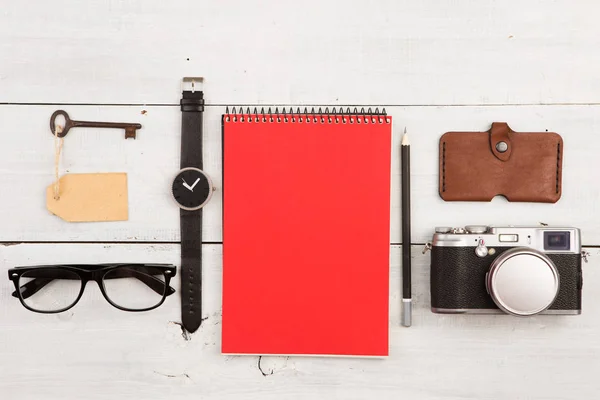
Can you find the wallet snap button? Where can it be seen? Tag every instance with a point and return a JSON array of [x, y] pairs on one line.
[[501, 147]]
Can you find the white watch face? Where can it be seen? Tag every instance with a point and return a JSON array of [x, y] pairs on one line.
[[191, 189]]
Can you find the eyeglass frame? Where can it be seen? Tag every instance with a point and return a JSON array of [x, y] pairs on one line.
[[96, 273]]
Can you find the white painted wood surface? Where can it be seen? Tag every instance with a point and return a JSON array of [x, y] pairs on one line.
[[435, 65], [376, 52]]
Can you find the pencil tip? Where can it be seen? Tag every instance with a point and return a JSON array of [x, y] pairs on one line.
[[405, 141]]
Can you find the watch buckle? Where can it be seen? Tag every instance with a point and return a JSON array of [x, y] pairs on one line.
[[190, 82]]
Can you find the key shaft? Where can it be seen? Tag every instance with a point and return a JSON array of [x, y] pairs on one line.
[[130, 128]]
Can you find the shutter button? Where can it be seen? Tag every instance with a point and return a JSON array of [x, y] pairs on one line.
[[501, 147]]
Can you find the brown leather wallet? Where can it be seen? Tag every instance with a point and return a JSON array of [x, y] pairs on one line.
[[477, 166]]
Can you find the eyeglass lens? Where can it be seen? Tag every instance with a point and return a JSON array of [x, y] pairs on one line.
[[49, 289], [135, 287]]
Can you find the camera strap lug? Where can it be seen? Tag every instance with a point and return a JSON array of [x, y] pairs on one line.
[[584, 255], [427, 247]]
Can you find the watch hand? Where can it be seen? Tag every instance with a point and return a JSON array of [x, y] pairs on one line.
[[195, 183], [185, 185]]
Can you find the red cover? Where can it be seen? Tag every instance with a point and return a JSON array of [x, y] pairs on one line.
[[306, 221]]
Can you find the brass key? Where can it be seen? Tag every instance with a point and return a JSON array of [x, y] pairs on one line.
[[130, 129]]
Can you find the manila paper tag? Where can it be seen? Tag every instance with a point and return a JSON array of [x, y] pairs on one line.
[[90, 197]]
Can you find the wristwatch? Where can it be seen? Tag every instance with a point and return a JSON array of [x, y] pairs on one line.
[[192, 188]]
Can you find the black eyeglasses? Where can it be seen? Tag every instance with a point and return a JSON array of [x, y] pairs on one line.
[[56, 288]]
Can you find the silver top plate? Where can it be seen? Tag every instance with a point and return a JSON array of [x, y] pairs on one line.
[[509, 236]]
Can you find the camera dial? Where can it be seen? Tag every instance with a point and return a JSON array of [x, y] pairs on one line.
[[523, 281], [476, 229], [481, 250]]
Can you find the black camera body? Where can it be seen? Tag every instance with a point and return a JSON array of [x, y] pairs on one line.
[[521, 271]]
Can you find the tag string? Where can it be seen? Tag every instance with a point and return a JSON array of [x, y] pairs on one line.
[[58, 145]]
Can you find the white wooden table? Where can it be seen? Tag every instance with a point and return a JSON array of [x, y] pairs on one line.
[[435, 65]]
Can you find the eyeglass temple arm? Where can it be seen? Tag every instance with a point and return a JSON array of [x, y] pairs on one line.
[[33, 286]]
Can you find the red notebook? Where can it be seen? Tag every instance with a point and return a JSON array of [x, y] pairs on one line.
[[306, 221]]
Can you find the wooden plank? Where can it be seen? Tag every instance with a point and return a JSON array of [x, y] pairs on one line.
[[97, 348], [388, 52], [26, 163]]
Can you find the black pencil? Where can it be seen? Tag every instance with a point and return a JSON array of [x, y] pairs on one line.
[[406, 267]]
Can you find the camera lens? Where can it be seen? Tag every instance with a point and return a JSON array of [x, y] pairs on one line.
[[557, 240], [523, 281]]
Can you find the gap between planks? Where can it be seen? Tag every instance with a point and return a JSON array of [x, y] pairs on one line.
[[304, 105], [148, 243]]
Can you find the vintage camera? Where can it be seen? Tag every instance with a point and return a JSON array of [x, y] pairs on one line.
[[521, 271]]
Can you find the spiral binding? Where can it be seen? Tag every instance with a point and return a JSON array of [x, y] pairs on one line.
[[336, 115]]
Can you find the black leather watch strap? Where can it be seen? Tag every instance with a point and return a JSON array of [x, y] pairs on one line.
[[192, 108], [192, 111], [191, 269]]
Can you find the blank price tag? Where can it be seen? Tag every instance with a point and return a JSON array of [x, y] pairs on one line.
[[90, 197]]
